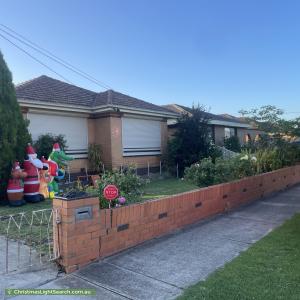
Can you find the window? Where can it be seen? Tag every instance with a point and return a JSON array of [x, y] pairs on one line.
[[141, 137], [247, 138], [229, 132], [74, 129]]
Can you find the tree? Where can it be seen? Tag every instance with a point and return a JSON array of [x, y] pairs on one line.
[[44, 144], [14, 134], [269, 118], [191, 141]]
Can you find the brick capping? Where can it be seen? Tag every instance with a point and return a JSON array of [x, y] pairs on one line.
[[108, 231]]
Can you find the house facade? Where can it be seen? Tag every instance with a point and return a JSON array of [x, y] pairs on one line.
[[129, 130], [222, 126]]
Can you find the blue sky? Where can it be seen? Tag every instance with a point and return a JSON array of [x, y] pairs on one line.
[[226, 55]]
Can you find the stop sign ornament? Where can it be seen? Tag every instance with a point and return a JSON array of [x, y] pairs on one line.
[[110, 192]]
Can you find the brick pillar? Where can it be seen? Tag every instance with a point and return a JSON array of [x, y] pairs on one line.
[[78, 235]]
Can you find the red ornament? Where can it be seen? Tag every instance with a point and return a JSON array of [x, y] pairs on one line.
[[110, 192]]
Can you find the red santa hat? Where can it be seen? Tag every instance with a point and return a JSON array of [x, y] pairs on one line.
[[56, 147], [30, 150]]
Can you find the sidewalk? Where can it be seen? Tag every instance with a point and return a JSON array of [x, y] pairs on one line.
[[163, 267]]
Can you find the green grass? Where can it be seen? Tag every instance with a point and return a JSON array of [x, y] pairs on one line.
[[33, 231], [158, 188], [9, 210], [268, 270]]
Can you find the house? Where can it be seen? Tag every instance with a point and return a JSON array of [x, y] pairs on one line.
[[128, 129], [222, 126]]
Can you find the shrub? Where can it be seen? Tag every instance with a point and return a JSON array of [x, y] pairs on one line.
[[94, 157], [201, 174], [224, 170], [129, 185], [14, 134], [44, 144], [244, 165], [232, 143]]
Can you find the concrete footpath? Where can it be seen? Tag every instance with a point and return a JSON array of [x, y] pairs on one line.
[[163, 267]]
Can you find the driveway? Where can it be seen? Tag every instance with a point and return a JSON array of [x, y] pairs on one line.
[[163, 267]]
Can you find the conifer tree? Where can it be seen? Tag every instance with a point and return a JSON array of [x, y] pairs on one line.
[[14, 134]]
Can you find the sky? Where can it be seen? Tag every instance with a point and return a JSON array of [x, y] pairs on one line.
[[226, 55]]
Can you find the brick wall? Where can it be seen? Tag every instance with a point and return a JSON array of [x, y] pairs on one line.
[[110, 231], [107, 132]]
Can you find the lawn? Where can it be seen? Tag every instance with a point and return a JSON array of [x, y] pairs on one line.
[[8, 210], [158, 188], [268, 270]]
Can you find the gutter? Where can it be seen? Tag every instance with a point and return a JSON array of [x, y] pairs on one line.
[[84, 109]]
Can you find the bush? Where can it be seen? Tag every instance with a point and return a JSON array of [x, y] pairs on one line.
[[129, 185], [14, 134], [224, 170], [201, 174], [232, 143], [244, 165], [44, 144], [94, 157]]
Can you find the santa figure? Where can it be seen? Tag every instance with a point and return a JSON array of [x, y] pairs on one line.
[[32, 165], [15, 186]]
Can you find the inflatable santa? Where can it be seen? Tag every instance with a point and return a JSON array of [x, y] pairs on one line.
[[15, 186], [32, 165]]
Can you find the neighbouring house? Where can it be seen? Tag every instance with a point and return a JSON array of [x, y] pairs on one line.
[[128, 129], [222, 126]]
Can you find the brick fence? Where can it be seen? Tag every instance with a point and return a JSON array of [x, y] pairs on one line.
[[87, 233]]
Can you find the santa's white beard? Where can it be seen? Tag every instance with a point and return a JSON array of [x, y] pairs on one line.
[[35, 161]]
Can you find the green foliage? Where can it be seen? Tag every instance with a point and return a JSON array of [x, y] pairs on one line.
[[224, 170], [95, 157], [268, 118], [191, 141], [246, 164], [129, 185], [232, 143], [44, 144], [14, 135], [201, 174]]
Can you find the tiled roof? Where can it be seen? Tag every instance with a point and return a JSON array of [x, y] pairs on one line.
[[213, 116], [47, 89]]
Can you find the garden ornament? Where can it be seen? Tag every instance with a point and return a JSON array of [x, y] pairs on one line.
[[15, 189], [32, 165], [44, 179], [57, 161]]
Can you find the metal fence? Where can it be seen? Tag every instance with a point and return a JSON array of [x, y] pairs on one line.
[[27, 239]]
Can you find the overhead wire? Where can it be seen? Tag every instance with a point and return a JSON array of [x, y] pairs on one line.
[[34, 58], [51, 56]]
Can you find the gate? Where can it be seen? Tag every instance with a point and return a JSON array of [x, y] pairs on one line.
[[27, 239]]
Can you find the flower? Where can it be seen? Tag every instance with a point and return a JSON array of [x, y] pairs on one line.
[[122, 200], [254, 158], [246, 157]]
